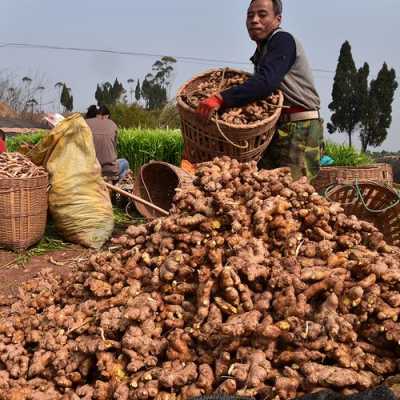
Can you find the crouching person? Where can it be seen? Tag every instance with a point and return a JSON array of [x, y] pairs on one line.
[[105, 134]]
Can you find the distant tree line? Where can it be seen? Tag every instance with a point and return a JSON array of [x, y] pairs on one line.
[[26, 95], [152, 93], [359, 104]]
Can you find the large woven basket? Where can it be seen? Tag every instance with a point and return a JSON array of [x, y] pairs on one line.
[[156, 182], [373, 202], [374, 172], [23, 211], [203, 139]]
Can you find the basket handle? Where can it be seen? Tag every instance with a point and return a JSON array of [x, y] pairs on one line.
[[245, 146], [360, 196]]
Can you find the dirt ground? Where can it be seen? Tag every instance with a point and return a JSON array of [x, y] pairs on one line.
[[12, 275]]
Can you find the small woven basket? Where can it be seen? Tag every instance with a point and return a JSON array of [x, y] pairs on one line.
[[373, 202], [23, 211], [156, 182], [204, 141], [374, 172]]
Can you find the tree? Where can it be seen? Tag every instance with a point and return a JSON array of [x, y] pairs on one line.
[[163, 70], [362, 90], [40, 90], [155, 85], [70, 104], [138, 91], [59, 86], [27, 80], [377, 113], [146, 91], [346, 113], [117, 91], [108, 94], [66, 99], [11, 96], [18, 92], [130, 83], [98, 95], [29, 96], [32, 103]]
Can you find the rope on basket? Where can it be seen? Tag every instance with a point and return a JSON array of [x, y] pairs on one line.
[[145, 186], [356, 187], [238, 146], [245, 146]]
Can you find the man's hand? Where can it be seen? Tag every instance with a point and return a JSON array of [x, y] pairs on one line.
[[208, 106]]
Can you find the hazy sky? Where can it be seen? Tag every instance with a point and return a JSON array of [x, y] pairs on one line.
[[212, 29]]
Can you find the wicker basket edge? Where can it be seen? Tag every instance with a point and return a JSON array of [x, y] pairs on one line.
[[183, 106]]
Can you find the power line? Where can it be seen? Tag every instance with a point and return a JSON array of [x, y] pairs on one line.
[[185, 59], [119, 52]]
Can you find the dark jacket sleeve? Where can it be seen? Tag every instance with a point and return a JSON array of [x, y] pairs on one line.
[[272, 69]]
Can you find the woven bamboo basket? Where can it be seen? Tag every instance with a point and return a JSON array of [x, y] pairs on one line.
[[374, 172], [204, 140], [23, 211], [156, 182], [373, 202]]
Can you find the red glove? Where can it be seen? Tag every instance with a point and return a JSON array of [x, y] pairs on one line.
[[3, 147], [208, 106]]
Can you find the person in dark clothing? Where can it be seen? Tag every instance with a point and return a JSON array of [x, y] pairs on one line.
[[91, 112], [105, 133], [279, 63]]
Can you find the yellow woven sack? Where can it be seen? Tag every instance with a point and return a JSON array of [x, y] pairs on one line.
[[79, 201]]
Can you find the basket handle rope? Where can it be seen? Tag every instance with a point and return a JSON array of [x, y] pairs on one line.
[[238, 146], [145, 186], [360, 196]]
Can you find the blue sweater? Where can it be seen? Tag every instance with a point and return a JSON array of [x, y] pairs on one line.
[[270, 71]]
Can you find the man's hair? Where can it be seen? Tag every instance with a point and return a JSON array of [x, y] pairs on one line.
[[103, 110], [277, 4], [91, 111]]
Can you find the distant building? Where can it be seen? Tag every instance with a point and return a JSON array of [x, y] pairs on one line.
[[12, 126]]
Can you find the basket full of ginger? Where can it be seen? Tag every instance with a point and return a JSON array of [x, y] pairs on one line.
[[242, 133]]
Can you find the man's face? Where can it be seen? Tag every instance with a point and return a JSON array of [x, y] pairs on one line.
[[261, 19]]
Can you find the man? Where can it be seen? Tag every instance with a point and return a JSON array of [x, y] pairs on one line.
[[105, 142], [280, 63]]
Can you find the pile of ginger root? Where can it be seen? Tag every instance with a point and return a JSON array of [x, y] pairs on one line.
[[255, 285], [217, 81]]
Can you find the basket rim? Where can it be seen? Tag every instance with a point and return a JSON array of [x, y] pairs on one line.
[[142, 208], [355, 167], [44, 175], [336, 187], [257, 124]]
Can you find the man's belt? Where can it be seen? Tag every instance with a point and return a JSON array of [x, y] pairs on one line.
[[299, 116]]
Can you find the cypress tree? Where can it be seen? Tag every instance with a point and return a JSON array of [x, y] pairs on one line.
[[344, 106], [138, 91], [70, 105], [377, 116], [99, 96], [64, 100]]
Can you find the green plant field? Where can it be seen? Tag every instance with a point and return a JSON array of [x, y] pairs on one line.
[[13, 143], [346, 156], [142, 146], [138, 146]]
